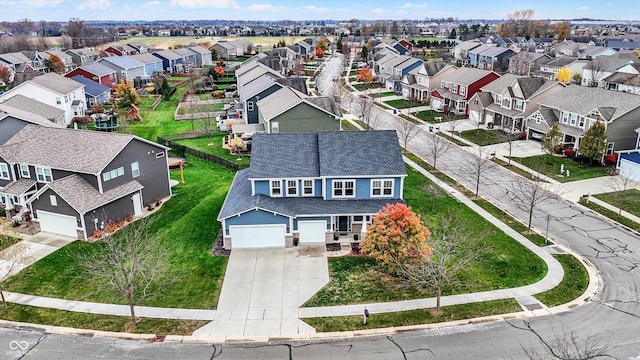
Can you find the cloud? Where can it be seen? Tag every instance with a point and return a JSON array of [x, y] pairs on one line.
[[267, 7], [379, 11], [95, 4], [412, 5], [315, 9], [583, 8], [203, 4], [42, 3]]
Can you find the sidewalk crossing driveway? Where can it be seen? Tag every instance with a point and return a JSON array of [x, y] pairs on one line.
[[263, 289]]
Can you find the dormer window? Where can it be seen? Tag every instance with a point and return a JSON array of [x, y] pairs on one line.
[[292, 188], [44, 174], [4, 171], [24, 171], [506, 103], [276, 187]]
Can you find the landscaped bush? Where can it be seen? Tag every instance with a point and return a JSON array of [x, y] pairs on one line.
[[522, 135], [569, 152], [611, 159]]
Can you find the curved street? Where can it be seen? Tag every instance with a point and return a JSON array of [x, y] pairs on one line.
[[612, 316]]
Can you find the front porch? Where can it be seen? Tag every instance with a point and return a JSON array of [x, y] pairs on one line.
[[348, 228]]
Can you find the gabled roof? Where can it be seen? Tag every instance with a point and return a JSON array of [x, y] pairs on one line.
[[466, 76], [279, 102], [623, 78], [480, 49], [91, 87], [168, 54], [9, 111], [18, 188], [123, 62], [97, 69], [296, 83], [255, 87], [468, 45], [225, 44], [495, 51], [200, 50], [146, 58], [15, 58], [255, 73], [33, 144], [498, 85], [562, 61], [34, 106], [184, 52], [56, 83], [431, 68], [582, 100]]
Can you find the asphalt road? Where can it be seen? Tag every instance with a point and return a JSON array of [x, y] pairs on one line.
[[612, 316]]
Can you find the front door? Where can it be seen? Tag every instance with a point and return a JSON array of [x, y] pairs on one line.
[[137, 203], [343, 223]]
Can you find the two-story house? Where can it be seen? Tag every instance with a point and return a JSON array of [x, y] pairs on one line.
[[121, 50], [507, 101], [203, 56], [551, 68], [260, 88], [54, 90], [527, 62], [152, 64], [461, 51], [305, 188], [126, 67], [97, 72], [12, 120], [576, 108], [419, 82], [625, 79], [67, 60], [95, 93], [188, 58], [83, 56], [629, 161], [33, 106], [396, 69], [171, 61], [456, 88], [495, 58], [598, 69], [90, 179]]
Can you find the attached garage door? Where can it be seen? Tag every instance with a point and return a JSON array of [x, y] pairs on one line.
[[57, 224], [436, 103], [257, 236], [630, 169], [312, 231]]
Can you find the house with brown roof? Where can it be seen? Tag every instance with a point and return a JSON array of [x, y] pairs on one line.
[[90, 179]]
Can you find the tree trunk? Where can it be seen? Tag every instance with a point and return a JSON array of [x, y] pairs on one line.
[[4, 301], [439, 294], [478, 184], [133, 313], [530, 218]]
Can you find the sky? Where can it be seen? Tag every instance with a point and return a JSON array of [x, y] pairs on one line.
[[126, 10]]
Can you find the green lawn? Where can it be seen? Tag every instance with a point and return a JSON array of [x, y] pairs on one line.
[[348, 126], [202, 144], [187, 222], [613, 215], [414, 317], [147, 100], [362, 86], [506, 263], [46, 316], [402, 103], [513, 168], [430, 115], [199, 108], [484, 137], [6, 241], [383, 94], [550, 166], [574, 283], [160, 121], [630, 204]]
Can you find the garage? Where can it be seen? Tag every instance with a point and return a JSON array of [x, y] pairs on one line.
[[629, 169], [312, 231], [257, 236], [57, 224], [436, 103]]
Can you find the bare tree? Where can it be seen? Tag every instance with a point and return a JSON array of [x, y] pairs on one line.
[[594, 72], [565, 344], [12, 260], [477, 164], [453, 248], [454, 124], [530, 193], [407, 131], [620, 184], [364, 108], [436, 146], [131, 263], [507, 139]]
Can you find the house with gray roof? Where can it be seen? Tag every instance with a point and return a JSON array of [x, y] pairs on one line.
[[288, 110], [171, 60], [576, 108], [527, 62], [203, 56], [511, 99], [17, 62], [596, 70], [95, 93], [457, 87], [83, 56], [188, 58], [13, 120], [260, 88], [97, 72], [91, 179], [494, 58], [126, 67], [67, 60], [551, 68], [419, 82], [31, 105], [304, 188], [152, 64], [625, 79]]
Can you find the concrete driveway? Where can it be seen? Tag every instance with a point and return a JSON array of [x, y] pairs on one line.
[[263, 289]]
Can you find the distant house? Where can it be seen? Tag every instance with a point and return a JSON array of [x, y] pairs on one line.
[[152, 64], [419, 82], [629, 161], [17, 62], [526, 62], [83, 56], [67, 60], [225, 50], [188, 58], [126, 67], [625, 79], [203, 56], [551, 68], [95, 93], [262, 87], [31, 105], [121, 50], [54, 90], [596, 70], [97, 72], [494, 58], [457, 87], [140, 47], [246, 74], [171, 61]]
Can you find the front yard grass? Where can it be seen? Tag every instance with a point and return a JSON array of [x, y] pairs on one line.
[[414, 317], [348, 126], [574, 283], [631, 204], [6, 241], [187, 223], [363, 86], [383, 94], [216, 139], [613, 215], [506, 263], [402, 103], [430, 115], [484, 137], [550, 166]]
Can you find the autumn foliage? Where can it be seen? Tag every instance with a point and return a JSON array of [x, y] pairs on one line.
[[54, 64], [5, 74], [319, 52], [564, 75], [364, 75], [219, 70], [396, 236]]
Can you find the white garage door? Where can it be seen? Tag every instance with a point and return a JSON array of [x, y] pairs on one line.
[[488, 118], [630, 169], [257, 236], [57, 224], [312, 231], [436, 103]]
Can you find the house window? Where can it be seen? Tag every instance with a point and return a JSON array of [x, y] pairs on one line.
[[344, 188], [106, 176], [506, 103], [114, 173], [307, 188], [609, 148], [58, 100], [3, 199], [463, 91], [574, 118], [4, 171], [135, 169], [249, 105], [565, 117], [292, 187], [454, 89], [518, 105], [159, 155], [581, 121], [44, 174], [381, 187], [276, 188], [24, 171], [54, 200], [275, 127], [498, 99]]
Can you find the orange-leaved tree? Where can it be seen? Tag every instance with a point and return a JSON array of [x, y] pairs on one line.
[[219, 70], [364, 75], [319, 52], [396, 236], [53, 63]]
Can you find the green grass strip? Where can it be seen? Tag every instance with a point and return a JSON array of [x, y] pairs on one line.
[[574, 283]]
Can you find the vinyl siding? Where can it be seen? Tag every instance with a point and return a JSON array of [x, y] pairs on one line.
[[116, 211], [256, 217], [44, 203]]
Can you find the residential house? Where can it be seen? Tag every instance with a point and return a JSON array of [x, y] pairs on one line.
[[304, 188], [494, 58], [12, 120], [17, 62], [203, 56], [225, 50], [37, 59], [419, 82], [262, 87], [171, 61], [83, 56], [95, 93], [67, 60], [97, 72], [623, 45], [140, 47], [628, 164], [54, 90], [507, 101], [126, 67], [245, 75], [576, 108], [92, 178], [152, 64], [625, 79], [457, 87], [394, 70], [551, 68], [596, 70], [288, 110], [591, 52], [24, 103], [461, 51], [568, 48], [526, 62], [121, 50], [188, 58]]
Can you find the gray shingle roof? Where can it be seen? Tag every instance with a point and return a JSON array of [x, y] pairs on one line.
[[255, 87], [34, 144], [623, 78], [325, 103], [240, 200], [280, 101], [83, 197], [123, 62], [432, 67], [296, 83], [466, 76], [57, 83], [548, 115], [581, 100], [98, 69], [498, 85], [562, 61], [18, 188], [91, 87], [146, 58], [33, 106]]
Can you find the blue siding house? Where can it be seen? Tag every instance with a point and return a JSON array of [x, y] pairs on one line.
[[95, 93], [171, 61], [152, 64], [306, 188]]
